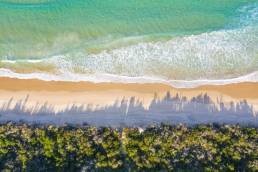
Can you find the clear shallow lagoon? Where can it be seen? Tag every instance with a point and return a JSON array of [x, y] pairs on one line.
[[154, 39]]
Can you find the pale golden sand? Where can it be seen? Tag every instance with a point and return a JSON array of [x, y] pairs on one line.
[[61, 94]]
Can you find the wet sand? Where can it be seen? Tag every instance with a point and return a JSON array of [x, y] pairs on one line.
[[60, 94]]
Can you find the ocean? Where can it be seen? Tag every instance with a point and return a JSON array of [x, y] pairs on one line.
[[183, 43]]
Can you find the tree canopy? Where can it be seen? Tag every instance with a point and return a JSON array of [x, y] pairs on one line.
[[212, 147]]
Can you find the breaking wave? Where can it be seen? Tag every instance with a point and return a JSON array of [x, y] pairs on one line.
[[218, 57]]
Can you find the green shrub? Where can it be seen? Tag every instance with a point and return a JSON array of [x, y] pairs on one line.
[[158, 148]]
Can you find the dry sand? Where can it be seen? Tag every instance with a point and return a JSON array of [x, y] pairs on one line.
[[61, 94]]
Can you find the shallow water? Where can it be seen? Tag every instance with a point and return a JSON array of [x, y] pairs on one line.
[[161, 40]]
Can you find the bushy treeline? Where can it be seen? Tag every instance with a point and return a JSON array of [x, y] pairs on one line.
[[158, 148]]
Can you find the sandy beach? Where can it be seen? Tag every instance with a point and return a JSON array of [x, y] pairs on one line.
[[61, 94]]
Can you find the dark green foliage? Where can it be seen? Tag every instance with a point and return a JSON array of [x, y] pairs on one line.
[[159, 148]]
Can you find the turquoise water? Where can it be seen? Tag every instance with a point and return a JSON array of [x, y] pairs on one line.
[[166, 39]]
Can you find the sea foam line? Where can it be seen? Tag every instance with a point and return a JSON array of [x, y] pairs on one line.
[[109, 78]]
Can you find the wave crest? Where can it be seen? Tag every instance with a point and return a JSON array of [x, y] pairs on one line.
[[216, 55]]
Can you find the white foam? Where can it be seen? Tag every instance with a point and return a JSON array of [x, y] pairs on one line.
[[180, 62], [216, 55], [104, 78], [22, 61]]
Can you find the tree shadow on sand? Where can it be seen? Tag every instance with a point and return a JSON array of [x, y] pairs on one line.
[[131, 112]]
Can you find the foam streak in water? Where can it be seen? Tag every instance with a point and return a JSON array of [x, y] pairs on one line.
[[210, 56], [100, 78]]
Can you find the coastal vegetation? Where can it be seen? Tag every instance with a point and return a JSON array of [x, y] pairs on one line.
[[212, 147]]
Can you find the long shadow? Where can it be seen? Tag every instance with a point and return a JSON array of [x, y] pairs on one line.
[[131, 112]]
